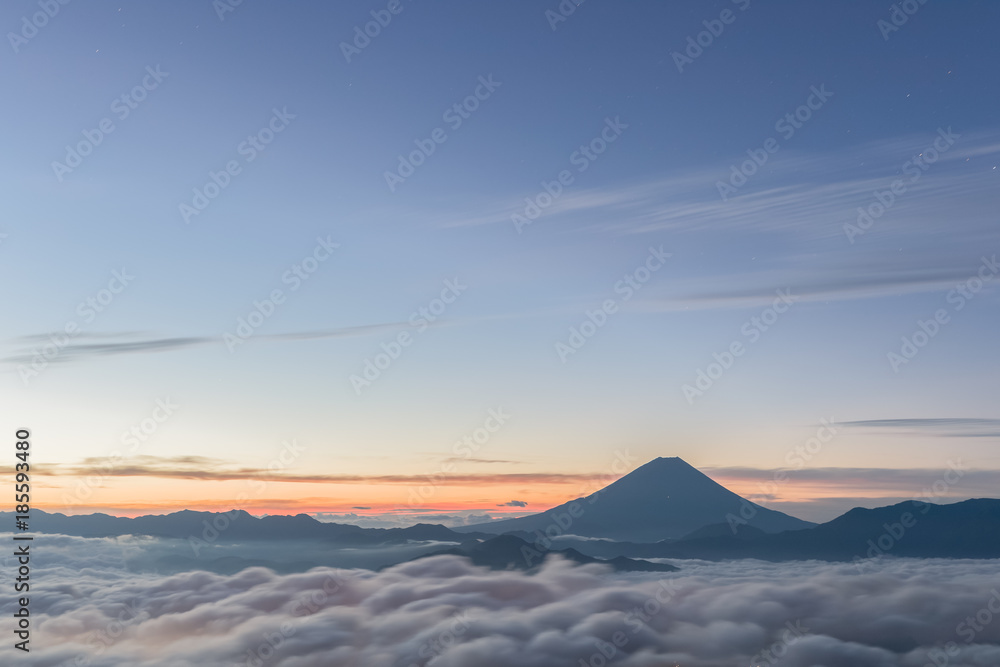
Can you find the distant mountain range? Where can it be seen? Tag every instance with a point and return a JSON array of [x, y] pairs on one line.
[[663, 499], [664, 509], [969, 529], [236, 525], [508, 552]]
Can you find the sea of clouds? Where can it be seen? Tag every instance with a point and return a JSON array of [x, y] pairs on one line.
[[87, 608]]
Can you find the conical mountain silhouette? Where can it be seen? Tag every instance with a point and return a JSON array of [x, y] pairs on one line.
[[665, 498]]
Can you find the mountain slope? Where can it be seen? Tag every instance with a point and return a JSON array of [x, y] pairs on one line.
[[663, 499], [969, 529]]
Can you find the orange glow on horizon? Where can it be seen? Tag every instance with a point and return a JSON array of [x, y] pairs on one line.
[[117, 495]]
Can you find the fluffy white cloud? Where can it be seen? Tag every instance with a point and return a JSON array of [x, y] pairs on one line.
[[443, 612]]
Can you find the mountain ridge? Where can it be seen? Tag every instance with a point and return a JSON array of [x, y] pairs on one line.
[[665, 498], [913, 529], [681, 513], [233, 525]]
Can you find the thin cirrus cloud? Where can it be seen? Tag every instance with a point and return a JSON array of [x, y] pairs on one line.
[[115, 345], [857, 280], [906, 482], [948, 427], [206, 468], [810, 195], [888, 480], [808, 200], [807, 196], [80, 351]]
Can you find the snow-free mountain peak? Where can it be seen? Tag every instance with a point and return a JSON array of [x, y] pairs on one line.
[[665, 498]]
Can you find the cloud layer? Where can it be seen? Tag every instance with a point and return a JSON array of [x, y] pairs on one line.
[[442, 612]]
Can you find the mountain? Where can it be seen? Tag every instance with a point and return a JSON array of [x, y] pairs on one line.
[[663, 499], [741, 531], [969, 529], [233, 525], [508, 552]]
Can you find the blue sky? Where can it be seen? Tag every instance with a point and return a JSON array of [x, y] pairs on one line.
[[887, 98]]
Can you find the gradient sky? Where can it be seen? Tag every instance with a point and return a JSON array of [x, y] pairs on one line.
[[892, 94]]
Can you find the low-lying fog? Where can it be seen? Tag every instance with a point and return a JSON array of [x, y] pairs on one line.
[[95, 602]]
